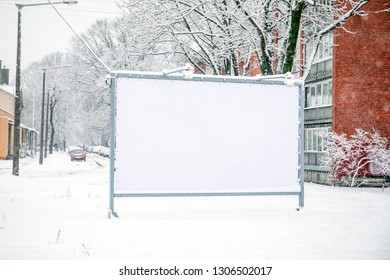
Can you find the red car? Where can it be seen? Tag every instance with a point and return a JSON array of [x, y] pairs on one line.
[[78, 154]]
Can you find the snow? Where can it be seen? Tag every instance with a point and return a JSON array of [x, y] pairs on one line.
[[8, 89], [58, 210]]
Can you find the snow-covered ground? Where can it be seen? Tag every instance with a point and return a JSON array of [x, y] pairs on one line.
[[58, 210]]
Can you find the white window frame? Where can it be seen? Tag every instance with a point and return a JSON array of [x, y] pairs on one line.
[[325, 49], [314, 99], [315, 140]]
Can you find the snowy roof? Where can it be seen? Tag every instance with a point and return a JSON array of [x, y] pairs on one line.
[[6, 118], [28, 128], [8, 89], [21, 125]]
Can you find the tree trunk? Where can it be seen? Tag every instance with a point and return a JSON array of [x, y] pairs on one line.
[[293, 37], [265, 63], [53, 102]]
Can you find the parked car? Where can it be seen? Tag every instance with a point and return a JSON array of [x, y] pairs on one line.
[[77, 154], [104, 152], [101, 151]]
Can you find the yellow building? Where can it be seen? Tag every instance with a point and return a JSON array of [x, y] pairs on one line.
[[7, 116]]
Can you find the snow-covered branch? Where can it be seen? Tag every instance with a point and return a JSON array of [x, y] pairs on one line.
[[355, 157]]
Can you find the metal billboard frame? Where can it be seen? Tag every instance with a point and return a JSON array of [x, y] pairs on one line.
[[284, 79]]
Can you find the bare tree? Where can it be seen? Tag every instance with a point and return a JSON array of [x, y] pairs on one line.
[[52, 105], [337, 155], [349, 159], [32, 86], [225, 35]]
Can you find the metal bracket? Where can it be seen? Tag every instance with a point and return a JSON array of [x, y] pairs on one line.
[[187, 67]]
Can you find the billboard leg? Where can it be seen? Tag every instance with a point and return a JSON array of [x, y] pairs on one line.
[[112, 82], [112, 214], [301, 202], [301, 146]]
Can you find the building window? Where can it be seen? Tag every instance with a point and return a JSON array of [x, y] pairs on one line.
[[324, 50], [315, 139], [318, 94]]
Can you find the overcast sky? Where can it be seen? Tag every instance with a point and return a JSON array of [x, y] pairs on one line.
[[43, 31]]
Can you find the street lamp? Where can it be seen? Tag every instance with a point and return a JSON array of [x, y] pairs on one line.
[[18, 109], [43, 112]]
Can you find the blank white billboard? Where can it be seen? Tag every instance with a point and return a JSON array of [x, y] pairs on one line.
[[191, 136]]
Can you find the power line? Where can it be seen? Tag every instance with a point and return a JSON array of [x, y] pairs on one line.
[[46, 10], [81, 39]]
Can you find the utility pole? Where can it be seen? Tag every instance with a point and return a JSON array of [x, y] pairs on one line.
[[18, 109], [47, 121], [16, 153], [42, 119]]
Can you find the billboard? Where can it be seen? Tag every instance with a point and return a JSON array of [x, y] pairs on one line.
[[205, 136]]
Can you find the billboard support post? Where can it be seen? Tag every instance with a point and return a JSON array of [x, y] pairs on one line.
[[113, 79], [301, 144]]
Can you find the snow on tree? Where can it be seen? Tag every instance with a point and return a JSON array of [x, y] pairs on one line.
[[55, 83], [336, 156], [225, 35], [350, 159]]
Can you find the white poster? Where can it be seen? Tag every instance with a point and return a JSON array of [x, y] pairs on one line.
[[191, 136]]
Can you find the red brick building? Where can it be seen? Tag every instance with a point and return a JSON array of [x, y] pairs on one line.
[[361, 73], [349, 84]]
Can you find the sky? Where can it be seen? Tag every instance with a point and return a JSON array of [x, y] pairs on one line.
[[43, 31]]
